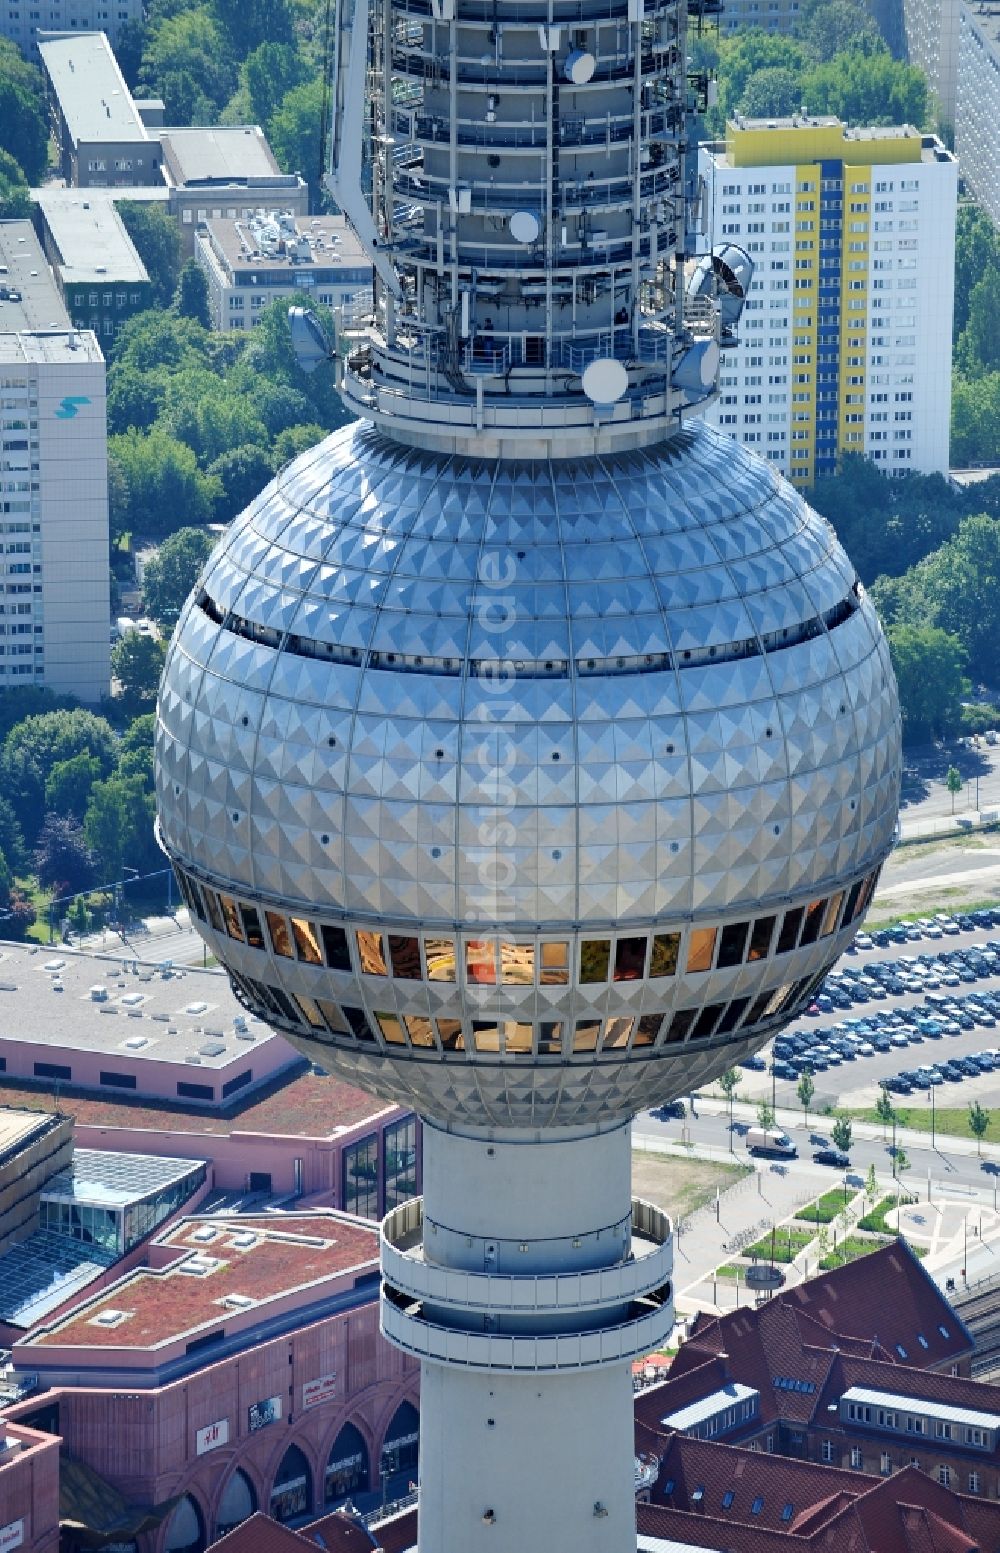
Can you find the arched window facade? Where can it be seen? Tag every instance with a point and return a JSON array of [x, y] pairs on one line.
[[238, 1503], [292, 1494], [347, 1466], [185, 1528], [399, 1449]]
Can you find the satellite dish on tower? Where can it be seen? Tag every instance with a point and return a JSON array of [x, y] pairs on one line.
[[579, 67], [605, 380], [524, 226], [309, 339]]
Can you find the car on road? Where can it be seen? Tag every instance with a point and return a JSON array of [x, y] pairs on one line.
[[756, 1064], [671, 1110], [835, 1157]]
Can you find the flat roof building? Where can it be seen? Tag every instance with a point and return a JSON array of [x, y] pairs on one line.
[[238, 1368], [225, 172], [118, 1026], [100, 276], [845, 340], [248, 262], [102, 138], [54, 576]]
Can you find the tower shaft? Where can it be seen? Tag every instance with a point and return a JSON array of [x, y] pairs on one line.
[[527, 1282]]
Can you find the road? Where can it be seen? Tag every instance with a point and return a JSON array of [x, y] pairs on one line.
[[924, 794], [709, 1131], [161, 938]]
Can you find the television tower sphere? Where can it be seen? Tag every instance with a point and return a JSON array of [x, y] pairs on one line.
[[532, 792], [527, 752]]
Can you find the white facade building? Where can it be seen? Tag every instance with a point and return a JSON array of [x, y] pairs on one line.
[[249, 262], [977, 111], [22, 23], [931, 32], [845, 341], [54, 577]]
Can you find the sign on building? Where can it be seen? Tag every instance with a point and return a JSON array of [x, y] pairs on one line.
[[263, 1413], [212, 1436], [322, 1389]]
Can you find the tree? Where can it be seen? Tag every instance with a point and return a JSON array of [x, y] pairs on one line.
[[867, 89], [267, 75], [842, 1131], [296, 134], [930, 673], [24, 125], [872, 1188], [957, 587], [38, 743], [191, 296], [119, 826], [67, 788], [772, 93], [188, 62], [885, 1110], [900, 1163], [158, 242], [805, 1090], [242, 474], [953, 782], [137, 663], [170, 575], [165, 486], [977, 249], [837, 25], [249, 24], [979, 1124], [975, 419], [297, 439], [765, 1114], [63, 861], [20, 916], [11, 837], [269, 353], [977, 350], [729, 1083], [136, 754], [15, 196], [79, 916]]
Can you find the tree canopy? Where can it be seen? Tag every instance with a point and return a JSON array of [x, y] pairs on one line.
[[930, 673], [24, 123], [37, 744], [170, 575], [158, 243], [191, 296], [956, 587]]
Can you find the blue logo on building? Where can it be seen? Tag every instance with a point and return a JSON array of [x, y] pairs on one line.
[[69, 406]]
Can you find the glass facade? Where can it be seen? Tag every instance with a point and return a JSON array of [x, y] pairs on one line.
[[399, 1170], [360, 1168], [121, 1226]]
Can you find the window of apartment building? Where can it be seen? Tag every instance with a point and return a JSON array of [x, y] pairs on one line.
[[885, 1464], [857, 1458], [944, 1475], [975, 1483]]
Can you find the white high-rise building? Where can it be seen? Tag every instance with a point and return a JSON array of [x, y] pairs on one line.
[[54, 578], [977, 111], [845, 341], [930, 31]]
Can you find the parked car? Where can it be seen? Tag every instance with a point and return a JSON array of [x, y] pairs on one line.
[[832, 1157]]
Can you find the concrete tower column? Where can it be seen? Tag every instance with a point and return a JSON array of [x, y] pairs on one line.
[[527, 1281]]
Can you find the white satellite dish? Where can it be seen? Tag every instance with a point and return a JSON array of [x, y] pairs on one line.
[[605, 380], [579, 67], [524, 226]]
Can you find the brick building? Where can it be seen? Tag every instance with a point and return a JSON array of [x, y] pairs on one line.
[[239, 1369]]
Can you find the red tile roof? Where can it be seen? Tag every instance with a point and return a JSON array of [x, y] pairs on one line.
[[308, 1106], [339, 1533], [832, 1511], [289, 1252], [262, 1535]]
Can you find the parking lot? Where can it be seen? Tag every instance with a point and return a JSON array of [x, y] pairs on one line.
[[899, 1005]]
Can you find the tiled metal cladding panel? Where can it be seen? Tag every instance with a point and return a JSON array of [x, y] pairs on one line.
[[348, 762]]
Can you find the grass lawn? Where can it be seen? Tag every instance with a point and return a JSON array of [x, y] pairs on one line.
[[876, 1219], [826, 1208], [849, 1250], [679, 1186], [950, 1119], [787, 1245], [730, 1271]]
